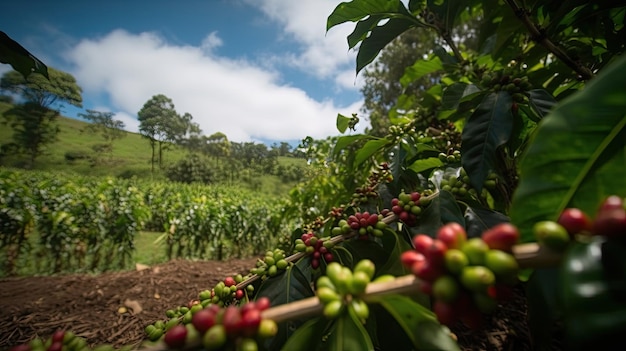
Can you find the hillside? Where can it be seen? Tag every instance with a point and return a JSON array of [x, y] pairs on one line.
[[130, 156]]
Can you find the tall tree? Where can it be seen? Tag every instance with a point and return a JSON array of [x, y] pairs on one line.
[[217, 145], [109, 129], [163, 126], [34, 120]]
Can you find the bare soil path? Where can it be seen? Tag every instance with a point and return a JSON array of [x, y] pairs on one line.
[[88, 305]]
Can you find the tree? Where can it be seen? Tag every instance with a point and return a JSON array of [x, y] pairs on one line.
[[61, 87], [162, 125], [34, 127], [34, 121], [109, 129], [217, 145]]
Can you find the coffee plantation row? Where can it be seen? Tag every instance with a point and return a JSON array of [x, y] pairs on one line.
[[77, 223]]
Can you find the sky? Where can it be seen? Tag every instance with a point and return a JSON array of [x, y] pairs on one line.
[[255, 70]]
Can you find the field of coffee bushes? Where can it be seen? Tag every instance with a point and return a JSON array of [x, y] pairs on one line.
[[54, 222]]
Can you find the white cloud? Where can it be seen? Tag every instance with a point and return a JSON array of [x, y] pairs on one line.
[[211, 42], [323, 54], [231, 96]]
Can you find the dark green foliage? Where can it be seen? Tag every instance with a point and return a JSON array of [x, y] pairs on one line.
[[191, 169]]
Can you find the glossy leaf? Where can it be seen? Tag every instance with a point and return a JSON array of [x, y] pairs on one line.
[[488, 128], [450, 211], [292, 285], [394, 247], [362, 29], [419, 69], [349, 334], [541, 101], [419, 324], [478, 219], [575, 154], [308, 337], [370, 148], [358, 9], [347, 140], [594, 304], [457, 93], [19, 58], [425, 164], [379, 37]]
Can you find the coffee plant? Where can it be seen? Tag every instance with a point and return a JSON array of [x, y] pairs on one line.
[[51, 223], [508, 172]]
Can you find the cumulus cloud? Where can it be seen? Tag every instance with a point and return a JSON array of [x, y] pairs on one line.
[[323, 54], [231, 96]]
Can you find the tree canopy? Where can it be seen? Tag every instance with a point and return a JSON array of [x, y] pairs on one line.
[[59, 88]]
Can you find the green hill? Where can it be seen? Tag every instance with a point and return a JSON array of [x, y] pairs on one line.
[[130, 157]]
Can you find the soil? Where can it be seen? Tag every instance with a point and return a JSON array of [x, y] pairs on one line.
[[89, 305]]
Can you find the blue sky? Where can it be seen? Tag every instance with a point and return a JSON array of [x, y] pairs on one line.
[[256, 70]]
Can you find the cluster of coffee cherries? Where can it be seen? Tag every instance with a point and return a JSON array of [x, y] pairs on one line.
[[365, 224], [452, 156], [609, 221], [465, 277], [459, 185], [62, 341], [505, 80], [318, 248], [341, 287], [273, 263], [407, 207], [226, 292], [219, 328]]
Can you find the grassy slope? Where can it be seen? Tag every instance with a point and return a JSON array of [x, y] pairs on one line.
[[130, 154]]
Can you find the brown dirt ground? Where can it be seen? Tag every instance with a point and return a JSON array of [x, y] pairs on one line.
[[88, 305]]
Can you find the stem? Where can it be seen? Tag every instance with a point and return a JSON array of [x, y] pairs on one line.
[[540, 38], [527, 255]]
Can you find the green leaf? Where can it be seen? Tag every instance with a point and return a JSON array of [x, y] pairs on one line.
[[379, 37], [488, 128], [419, 324], [425, 164], [541, 101], [19, 58], [594, 304], [420, 69], [394, 247], [346, 140], [479, 219], [362, 28], [292, 285], [450, 211], [457, 93], [342, 122], [349, 334], [309, 336], [543, 309], [577, 153], [357, 9], [369, 149]]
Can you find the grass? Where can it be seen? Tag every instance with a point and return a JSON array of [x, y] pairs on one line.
[[146, 252], [130, 157]]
